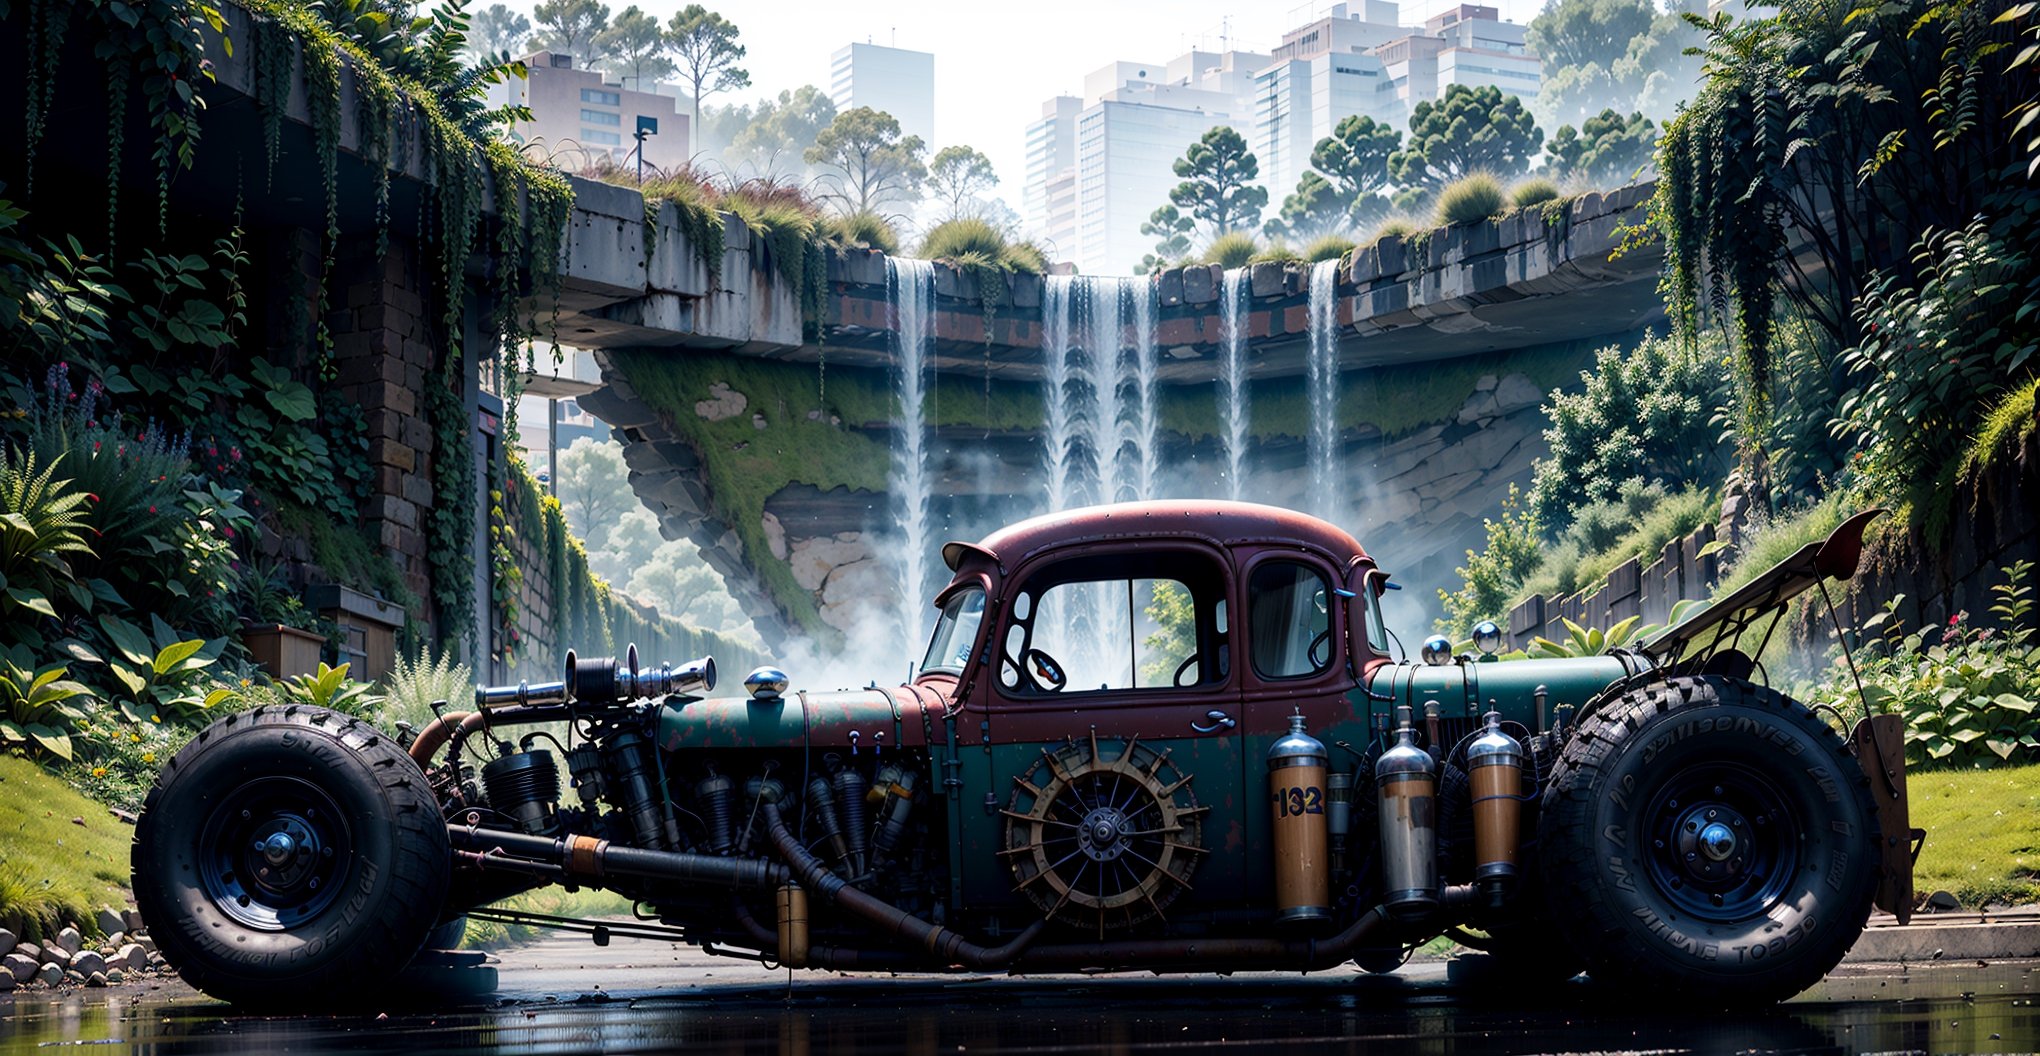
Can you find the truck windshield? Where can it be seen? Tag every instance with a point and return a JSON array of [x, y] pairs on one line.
[[956, 632]]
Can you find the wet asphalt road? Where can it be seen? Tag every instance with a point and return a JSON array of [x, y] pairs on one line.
[[564, 996]]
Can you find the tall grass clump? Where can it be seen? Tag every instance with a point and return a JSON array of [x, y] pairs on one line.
[[1534, 191], [1231, 250], [863, 229], [1276, 252], [1395, 227], [1470, 199], [974, 242], [1328, 247]]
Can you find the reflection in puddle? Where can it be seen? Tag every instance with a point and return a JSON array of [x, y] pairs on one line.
[[1921, 1011]]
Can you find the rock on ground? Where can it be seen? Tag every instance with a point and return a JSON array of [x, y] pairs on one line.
[[70, 940], [109, 921], [88, 962], [7, 941], [19, 967], [131, 957], [49, 975]]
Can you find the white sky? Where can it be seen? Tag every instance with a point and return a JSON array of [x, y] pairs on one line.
[[995, 63]]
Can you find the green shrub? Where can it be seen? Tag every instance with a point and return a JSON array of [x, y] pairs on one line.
[[1767, 540], [1643, 414], [1493, 575], [864, 229], [1328, 247], [414, 684], [1232, 250], [42, 526], [1025, 257], [1276, 252], [1470, 199], [329, 687], [1395, 227], [1534, 191], [39, 707], [136, 476], [1970, 696]]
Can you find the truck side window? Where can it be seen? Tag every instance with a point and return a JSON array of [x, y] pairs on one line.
[[1090, 625], [1289, 620]]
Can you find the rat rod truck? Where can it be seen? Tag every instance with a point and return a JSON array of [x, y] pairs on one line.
[[1162, 736]]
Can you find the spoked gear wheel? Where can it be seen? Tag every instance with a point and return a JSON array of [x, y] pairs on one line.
[[1104, 843]]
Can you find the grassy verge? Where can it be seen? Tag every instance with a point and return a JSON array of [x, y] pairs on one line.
[[489, 935], [1983, 834], [52, 871]]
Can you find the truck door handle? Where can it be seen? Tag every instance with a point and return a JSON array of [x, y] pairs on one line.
[[1218, 721]]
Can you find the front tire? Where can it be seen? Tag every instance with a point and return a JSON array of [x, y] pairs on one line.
[[290, 856], [1708, 837]]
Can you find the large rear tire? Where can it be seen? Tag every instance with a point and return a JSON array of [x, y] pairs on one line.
[[1709, 838], [289, 857]]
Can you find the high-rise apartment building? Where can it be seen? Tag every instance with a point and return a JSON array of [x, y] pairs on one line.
[[1049, 197], [1480, 49], [894, 80], [575, 109], [1322, 73]]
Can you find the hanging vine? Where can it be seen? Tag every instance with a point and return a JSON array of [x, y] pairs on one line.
[[117, 74], [272, 55], [47, 22]]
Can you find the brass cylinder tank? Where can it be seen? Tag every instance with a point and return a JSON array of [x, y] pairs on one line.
[[1494, 764], [1296, 786], [793, 925], [1407, 778]]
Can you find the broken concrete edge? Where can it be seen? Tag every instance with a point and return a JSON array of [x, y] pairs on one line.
[[1956, 936]]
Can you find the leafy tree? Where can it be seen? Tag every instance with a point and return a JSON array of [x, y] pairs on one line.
[[706, 43], [635, 48], [870, 162], [1493, 576], [1218, 189], [679, 582], [1644, 413], [959, 174], [1172, 230], [1315, 208], [594, 489], [571, 27], [1466, 130], [1588, 32], [1608, 149], [496, 28], [1354, 158], [782, 130]]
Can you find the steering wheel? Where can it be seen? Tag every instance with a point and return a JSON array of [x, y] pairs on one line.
[[1043, 671], [1182, 667], [1323, 639]]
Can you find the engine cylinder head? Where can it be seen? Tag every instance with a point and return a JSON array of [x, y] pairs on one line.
[[628, 758], [850, 788], [585, 764], [715, 792], [1407, 779], [525, 786]]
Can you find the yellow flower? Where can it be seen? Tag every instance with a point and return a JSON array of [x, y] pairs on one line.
[[157, 719], [135, 737], [148, 757], [246, 682], [98, 771]]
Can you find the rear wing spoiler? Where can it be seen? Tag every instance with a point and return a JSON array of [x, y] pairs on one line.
[[1694, 642]]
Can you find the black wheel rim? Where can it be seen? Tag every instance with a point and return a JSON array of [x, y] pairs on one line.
[[1723, 841], [271, 853]]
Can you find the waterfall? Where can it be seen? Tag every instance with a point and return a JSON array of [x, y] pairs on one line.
[[1147, 424], [1055, 380], [1102, 432], [1327, 498], [1233, 381], [911, 284]]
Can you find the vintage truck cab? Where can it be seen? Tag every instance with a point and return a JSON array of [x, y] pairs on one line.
[[1167, 736]]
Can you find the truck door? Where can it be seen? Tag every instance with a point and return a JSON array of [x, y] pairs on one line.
[[1113, 732], [1294, 619]]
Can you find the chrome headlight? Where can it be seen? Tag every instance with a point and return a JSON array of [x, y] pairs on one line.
[[1437, 650], [1487, 638], [765, 683]]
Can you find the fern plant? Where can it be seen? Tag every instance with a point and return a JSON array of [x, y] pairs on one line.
[[42, 524], [415, 684], [37, 713]]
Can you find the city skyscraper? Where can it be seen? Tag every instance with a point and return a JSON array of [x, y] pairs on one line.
[[894, 80]]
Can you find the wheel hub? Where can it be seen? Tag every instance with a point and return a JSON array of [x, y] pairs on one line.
[[1723, 846], [1100, 835], [1710, 842], [272, 853]]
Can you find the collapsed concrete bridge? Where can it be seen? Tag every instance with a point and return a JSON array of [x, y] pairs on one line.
[[767, 445]]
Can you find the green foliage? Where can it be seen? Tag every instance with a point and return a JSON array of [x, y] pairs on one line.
[[1607, 149], [706, 44], [571, 26], [1642, 413], [1171, 229], [1470, 199], [1232, 250], [497, 28], [1969, 695], [1218, 189], [42, 525], [1595, 50], [1596, 641], [1174, 613], [1318, 207], [1637, 523], [634, 48], [1328, 247], [415, 683], [772, 135], [159, 675], [863, 229], [966, 236], [1354, 158], [1464, 131], [1395, 227], [958, 175], [1934, 359], [868, 162], [2010, 423], [329, 687], [1493, 575], [1769, 539], [1533, 192], [37, 715]]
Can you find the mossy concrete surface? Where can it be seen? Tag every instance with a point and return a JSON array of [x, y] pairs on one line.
[[62, 856]]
